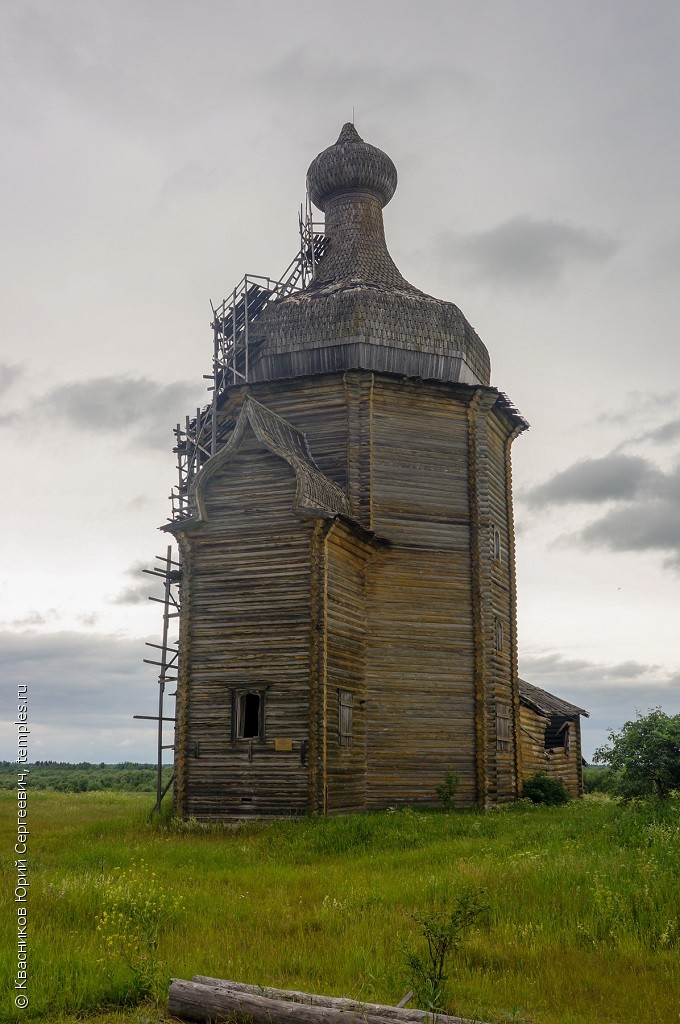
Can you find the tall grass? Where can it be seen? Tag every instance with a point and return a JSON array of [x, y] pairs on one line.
[[583, 925]]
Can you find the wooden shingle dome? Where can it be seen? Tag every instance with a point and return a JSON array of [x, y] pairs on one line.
[[351, 164], [359, 312]]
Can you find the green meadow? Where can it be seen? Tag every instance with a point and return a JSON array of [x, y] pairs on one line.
[[582, 926]]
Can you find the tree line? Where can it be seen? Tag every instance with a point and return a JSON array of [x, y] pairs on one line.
[[84, 777]]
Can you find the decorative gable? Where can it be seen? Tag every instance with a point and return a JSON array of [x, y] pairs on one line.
[[314, 493]]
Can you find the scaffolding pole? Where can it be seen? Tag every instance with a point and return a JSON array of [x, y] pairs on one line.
[[169, 571]]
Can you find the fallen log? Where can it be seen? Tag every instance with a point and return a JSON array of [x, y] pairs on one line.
[[190, 1001], [214, 999], [401, 1015]]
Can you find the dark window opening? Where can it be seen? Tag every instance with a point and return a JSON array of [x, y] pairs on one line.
[[251, 715], [247, 715], [497, 552], [498, 635], [558, 734]]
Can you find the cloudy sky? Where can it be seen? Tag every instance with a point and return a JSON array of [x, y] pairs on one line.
[[154, 152]]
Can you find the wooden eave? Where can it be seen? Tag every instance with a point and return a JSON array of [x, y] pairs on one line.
[[466, 391], [547, 704]]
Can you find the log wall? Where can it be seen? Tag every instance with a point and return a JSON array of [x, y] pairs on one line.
[[535, 757], [247, 585], [420, 661], [406, 622], [490, 435], [345, 762]]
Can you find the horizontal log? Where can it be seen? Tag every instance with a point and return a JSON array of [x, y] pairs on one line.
[[191, 1001], [365, 1011]]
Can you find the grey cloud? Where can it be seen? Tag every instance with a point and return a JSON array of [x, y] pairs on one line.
[[663, 434], [113, 403], [35, 618], [644, 516], [582, 672], [525, 251], [74, 674], [9, 374], [611, 693], [126, 73], [141, 408], [80, 687], [137, 503], [193, 177], [666, 260], [89, 620], [649, 525], [138, 591], [596, 480], [640, 404]]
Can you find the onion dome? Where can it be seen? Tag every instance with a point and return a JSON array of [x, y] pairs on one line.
[[359, 312], [351, 164]]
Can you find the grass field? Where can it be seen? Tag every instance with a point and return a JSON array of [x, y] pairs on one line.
[[582, 929]]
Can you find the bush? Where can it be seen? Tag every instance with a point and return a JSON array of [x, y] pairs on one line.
[[442, 928], [447, 790], [542, 788], [644, 756]]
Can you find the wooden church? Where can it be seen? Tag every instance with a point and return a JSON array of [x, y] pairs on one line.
[[348, 624]]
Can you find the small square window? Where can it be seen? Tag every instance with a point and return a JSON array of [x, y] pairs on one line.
[[345, 716], [247, 715]]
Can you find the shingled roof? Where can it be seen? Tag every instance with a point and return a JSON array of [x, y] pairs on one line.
[[547, 703], [359, 312]]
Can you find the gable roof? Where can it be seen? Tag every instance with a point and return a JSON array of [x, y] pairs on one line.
[[547, 703], [314, 491]]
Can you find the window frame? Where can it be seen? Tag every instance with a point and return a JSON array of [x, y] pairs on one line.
[[498, 634], [345, 718], [238, 699], [497, 544], [504, 730]]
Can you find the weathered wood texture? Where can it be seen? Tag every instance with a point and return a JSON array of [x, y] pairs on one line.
[[391, 1013], [493, 600], [420, 682], [405, 618], [345, 763], [317, 406], [190, 1001], [556, 761], [247, 587]]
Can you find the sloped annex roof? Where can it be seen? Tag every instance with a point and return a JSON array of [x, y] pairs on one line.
[[314, 492], [547, 703]]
